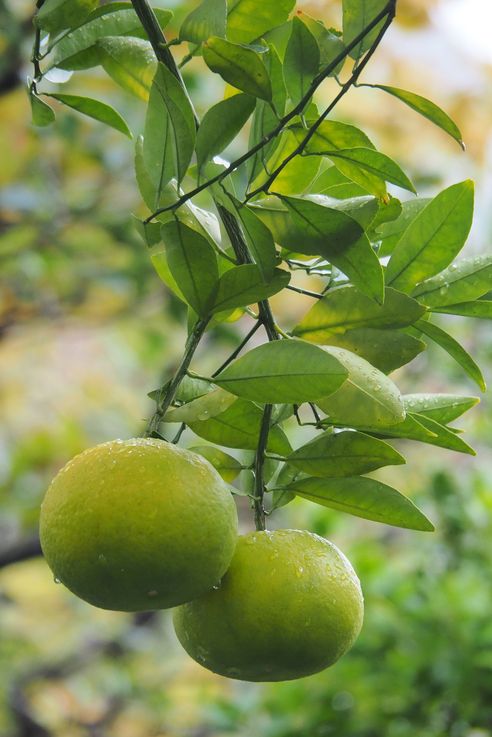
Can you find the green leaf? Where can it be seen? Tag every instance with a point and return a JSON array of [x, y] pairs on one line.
[[265, 118], [280, 498], [208, 19], [367, 396], [332, 135], [55, 15], [333, 183], [370, 169], [463, 281], [227, 466], [361, 209], [192, 387], [296, 176], [363, 497], [330, 45], [169, 136], [343, 454], [301, 62], [42, 113], [454, 349], [202, 408], [221, 124], [77, 49], [345, 308], [445, 438], [259, 241], [130, 62], [95, 109], [239, 427], [248, 20], [193, 264], [390, 233], [409, 429], [443, 408], [243, 285], [283, 371], [337, 237], [481, 309], [425, 430], [241, 67], [357, 15], [425, 107], [433, 238], [386, 349]]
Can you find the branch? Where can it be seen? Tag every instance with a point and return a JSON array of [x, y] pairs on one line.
[[25, 549], [297, 110], [390, 14], [169, 390]]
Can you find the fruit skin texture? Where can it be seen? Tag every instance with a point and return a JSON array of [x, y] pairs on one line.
[[138, 524], [290, 605]]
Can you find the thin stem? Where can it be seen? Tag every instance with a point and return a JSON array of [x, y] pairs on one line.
[[390, 14], [159, 42], [238, 350], [258, 468], [307, 292], [388, 9], [169, 390]]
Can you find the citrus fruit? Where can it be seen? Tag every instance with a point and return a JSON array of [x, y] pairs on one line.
[[138, 524], [289, 605]]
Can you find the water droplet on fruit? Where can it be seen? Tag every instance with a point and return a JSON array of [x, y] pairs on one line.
[[216, 587], [56, 580], [299, 571], [203, 415]]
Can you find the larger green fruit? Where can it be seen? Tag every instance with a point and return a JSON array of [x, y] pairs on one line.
[[138, 524], [289, 606]]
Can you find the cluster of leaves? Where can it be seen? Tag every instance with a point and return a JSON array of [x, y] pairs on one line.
[[309, 194]]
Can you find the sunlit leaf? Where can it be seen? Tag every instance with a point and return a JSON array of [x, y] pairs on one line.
[[433, 239], [248, 20], [208, 19]]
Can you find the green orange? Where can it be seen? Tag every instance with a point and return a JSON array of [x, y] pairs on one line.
[[138, 524], [290, 605]]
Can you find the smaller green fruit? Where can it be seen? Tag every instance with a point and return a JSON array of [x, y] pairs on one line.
[[290, 605], [138, 524]]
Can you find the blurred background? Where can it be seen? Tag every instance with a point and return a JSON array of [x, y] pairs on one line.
[[87, 330]]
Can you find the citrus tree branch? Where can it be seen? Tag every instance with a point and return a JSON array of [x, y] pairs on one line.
[[169, 390], [389, 9], [351, 82]]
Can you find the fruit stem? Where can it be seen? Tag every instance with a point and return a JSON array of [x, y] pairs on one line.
[[168, 391]]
